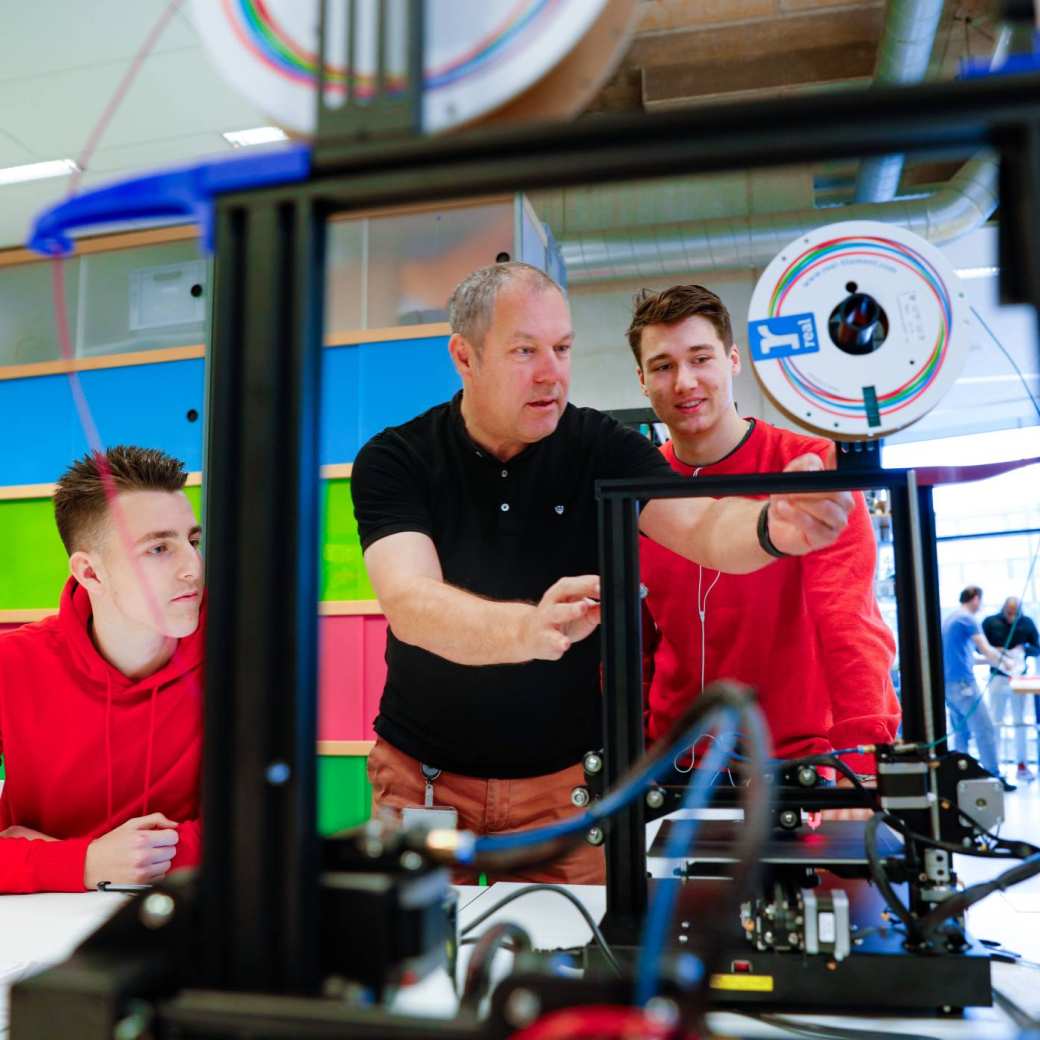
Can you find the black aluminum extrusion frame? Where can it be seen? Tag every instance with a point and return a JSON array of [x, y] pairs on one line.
[[259, 927], [918, 621]]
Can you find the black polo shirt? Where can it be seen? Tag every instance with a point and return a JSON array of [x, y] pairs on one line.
[[506, 531]]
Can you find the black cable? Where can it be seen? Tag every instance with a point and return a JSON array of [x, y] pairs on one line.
[[478, 971], [880, 878], [968, 897], [1011, 360], [1024, 1021], [717, 696], [601, 941], [950, 846], [757, 803], [839, 765]]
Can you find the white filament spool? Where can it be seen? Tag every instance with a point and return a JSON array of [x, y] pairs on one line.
[[858, 329], [479, 54]]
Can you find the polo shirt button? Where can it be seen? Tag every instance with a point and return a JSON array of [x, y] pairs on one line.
[[505, 473], [559, 510], [504, 507]]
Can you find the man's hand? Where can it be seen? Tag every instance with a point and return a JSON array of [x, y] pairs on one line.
[[567, 613], [800, 523], [17, 831], [137, 852]]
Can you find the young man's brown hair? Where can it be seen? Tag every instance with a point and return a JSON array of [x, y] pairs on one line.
[[675, 305], [80, 502]]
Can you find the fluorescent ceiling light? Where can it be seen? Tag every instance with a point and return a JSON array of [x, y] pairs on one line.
[[978, 272], [37, 171], [255, 135]]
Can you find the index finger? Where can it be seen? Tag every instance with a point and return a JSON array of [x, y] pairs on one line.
[[158, 838], [155, 819]]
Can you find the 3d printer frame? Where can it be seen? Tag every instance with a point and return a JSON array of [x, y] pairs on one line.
[[258, 925]]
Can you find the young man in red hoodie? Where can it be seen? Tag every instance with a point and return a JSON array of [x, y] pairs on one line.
[[805, 632], [101, 706]]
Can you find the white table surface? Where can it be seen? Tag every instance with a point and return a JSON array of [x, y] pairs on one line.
[[40, 930]]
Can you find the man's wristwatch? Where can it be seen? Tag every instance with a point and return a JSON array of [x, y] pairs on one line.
[[763, 534]]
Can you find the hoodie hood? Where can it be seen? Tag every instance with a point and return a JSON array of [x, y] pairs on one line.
[[103, 680]]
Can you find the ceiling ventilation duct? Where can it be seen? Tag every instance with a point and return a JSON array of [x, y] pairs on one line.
[[965, 202], [903, 55]]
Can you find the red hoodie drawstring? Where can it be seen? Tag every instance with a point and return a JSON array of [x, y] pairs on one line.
[[148, 753], [108, 743]]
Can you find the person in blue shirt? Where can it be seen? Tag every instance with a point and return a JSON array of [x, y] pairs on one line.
[[962, 637]]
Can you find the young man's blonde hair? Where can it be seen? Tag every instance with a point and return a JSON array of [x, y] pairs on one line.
[[80, 501]]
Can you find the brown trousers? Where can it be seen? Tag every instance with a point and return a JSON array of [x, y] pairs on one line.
[[491, 807]]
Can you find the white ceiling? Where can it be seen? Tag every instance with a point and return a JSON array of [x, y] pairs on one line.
[[61, 62]]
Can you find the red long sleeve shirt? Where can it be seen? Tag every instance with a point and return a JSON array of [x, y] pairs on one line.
[[86, 749], [804, 632]]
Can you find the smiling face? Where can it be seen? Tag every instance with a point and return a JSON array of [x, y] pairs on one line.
[[146, 569], [515, 384], [687, 373]]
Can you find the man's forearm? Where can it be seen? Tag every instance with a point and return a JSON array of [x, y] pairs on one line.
[[720, 533], [457, 625]]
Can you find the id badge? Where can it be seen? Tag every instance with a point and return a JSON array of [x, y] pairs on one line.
[[431, 817]]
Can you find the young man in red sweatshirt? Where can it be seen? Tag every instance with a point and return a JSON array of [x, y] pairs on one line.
[[804, 632], [101, 706]]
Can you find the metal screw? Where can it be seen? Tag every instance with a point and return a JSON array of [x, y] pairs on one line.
[[372, 847], [789, 819], [684, 939], [806, 776], [157, 909], [580, 797], [655, 797], [792, 938], [685, 924], [768, 937], [593, 763], [981, 803], [411, 860], [278, 773], [594, 836], [962, 764], [522, 1007]]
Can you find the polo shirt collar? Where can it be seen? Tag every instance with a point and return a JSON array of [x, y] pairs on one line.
[[468, 443]]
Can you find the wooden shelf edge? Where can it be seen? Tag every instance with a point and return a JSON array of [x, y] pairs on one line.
[[23, 617], [345, 747], [333, 471], [162, 355], [350, 608]]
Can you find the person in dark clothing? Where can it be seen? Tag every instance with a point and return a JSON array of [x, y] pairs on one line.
[[1011, 630]]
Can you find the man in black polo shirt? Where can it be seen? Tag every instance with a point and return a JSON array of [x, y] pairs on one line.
[[1009, 630], [478, 524]]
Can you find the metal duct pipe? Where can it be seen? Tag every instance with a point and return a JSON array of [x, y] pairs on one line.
[[903, 55], [666, 250]]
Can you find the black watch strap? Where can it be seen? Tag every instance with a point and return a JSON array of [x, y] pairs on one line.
[[763, 534]]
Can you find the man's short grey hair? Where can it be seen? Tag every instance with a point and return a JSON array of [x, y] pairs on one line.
[[473, 301]]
